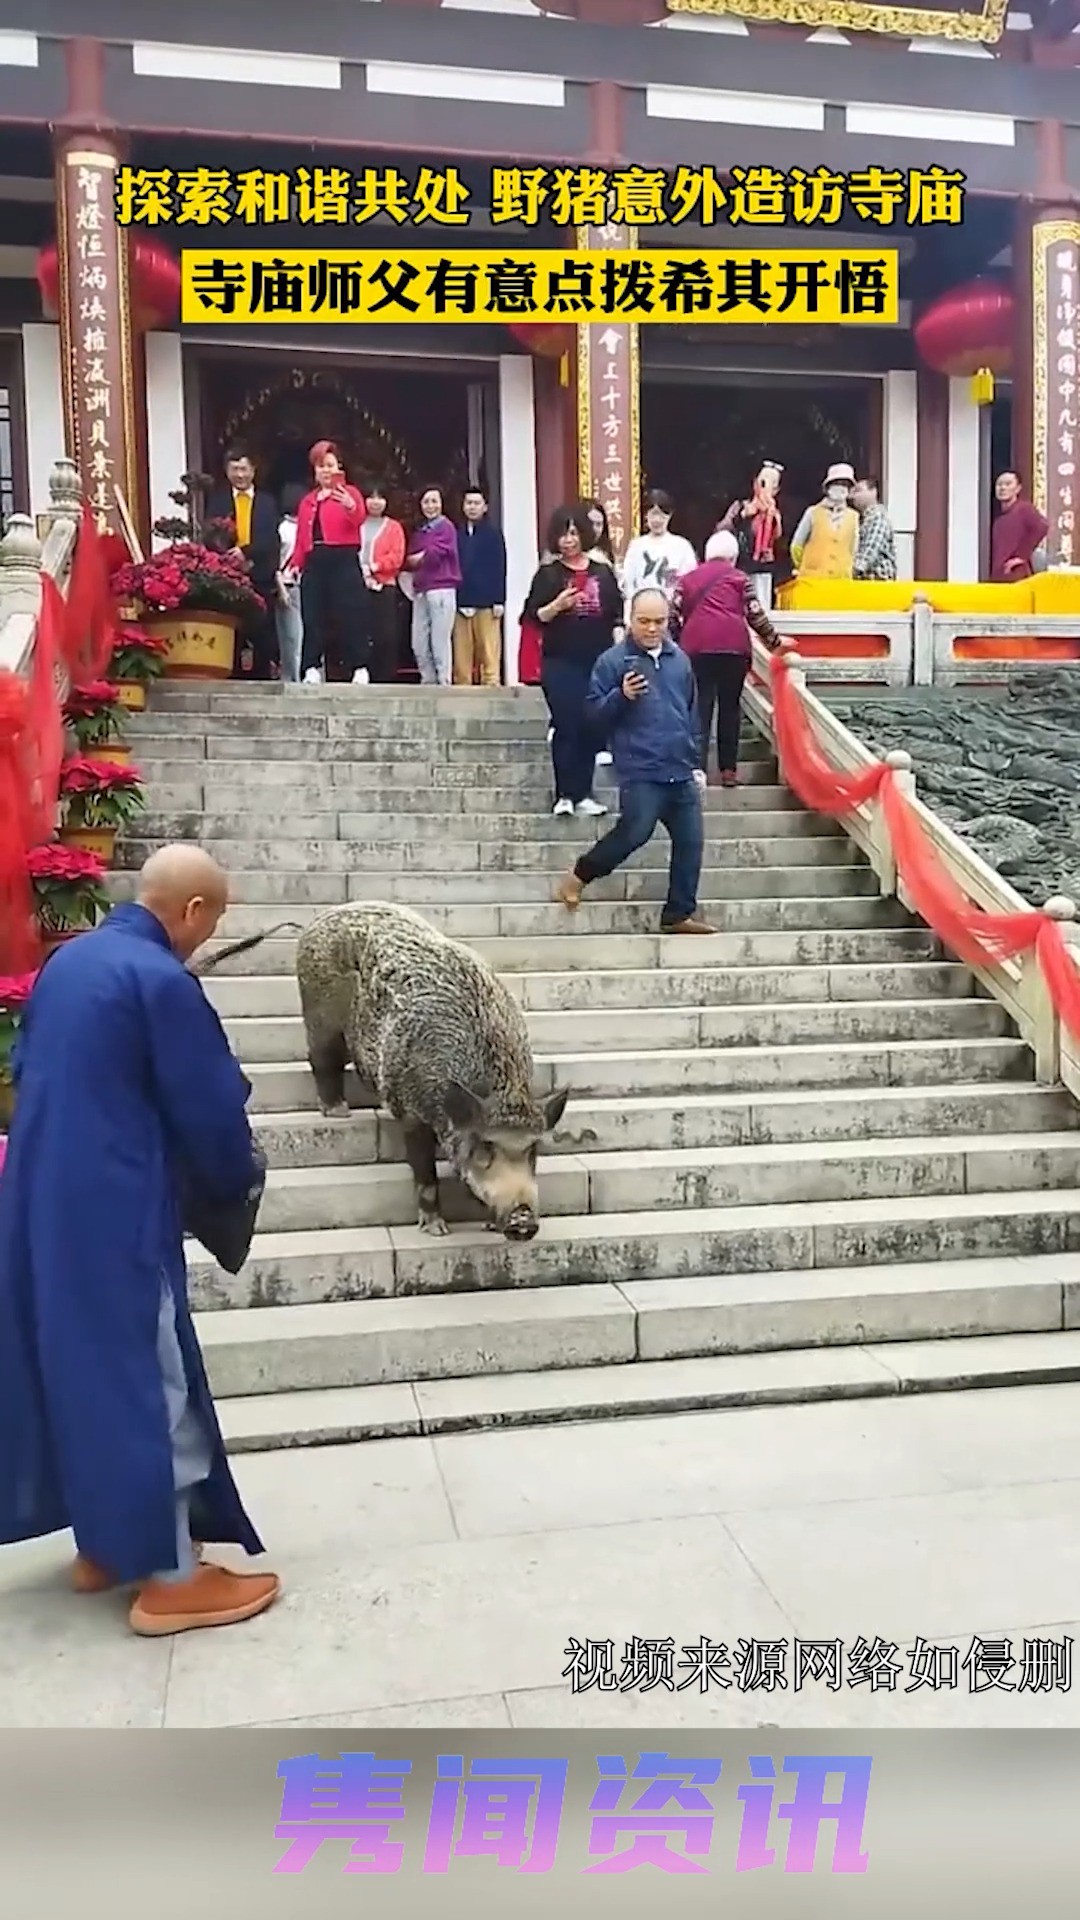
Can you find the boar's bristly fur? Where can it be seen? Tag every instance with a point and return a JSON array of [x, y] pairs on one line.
[[437, 1039]]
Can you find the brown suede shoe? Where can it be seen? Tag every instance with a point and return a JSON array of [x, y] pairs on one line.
[[692, 925], [86, 1577], [569, 891], [211, 1598]]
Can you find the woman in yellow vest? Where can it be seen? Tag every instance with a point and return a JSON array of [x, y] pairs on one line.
[[823, 544]]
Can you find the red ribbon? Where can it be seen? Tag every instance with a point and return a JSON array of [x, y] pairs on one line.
[[20, 948], [977, 938]]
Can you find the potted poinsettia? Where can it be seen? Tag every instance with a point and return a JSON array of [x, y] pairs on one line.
[[97, 800], [94, 715], [196, 591], [69, 891], [138, 660], [15, 989]]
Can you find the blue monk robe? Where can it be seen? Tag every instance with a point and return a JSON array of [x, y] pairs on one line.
[[123, 1075]]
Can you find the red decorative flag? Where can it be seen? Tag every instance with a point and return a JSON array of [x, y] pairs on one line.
[[20, 948]]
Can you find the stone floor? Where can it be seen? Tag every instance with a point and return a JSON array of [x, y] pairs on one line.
[[438, 1582]]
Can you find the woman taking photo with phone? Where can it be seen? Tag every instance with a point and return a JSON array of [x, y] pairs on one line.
[[577, 604]]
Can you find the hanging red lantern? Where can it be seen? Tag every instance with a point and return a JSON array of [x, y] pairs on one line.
[[969, 331], [548, 340], [155, 283]]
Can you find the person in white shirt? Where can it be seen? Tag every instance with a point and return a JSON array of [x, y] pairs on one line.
[[657, 557], [287, 614]]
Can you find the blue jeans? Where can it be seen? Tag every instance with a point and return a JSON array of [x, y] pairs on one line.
[[574, 747], [643, 807]]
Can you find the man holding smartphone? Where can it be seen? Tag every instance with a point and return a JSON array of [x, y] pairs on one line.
[[643, 699]]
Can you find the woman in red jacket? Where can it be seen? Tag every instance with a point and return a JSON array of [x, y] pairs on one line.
[[382, 556], [327, 558]]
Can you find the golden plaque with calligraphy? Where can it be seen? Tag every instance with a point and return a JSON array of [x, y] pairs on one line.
[[95, 336], [1055, 281], [608, 405]]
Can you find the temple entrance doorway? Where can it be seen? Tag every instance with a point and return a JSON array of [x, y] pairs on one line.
[[405, 427], [704, 440]]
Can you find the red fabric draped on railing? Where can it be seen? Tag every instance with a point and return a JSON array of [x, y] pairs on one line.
[[74, 636], [20, 948], [976, 937]]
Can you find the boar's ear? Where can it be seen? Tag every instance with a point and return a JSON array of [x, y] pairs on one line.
[[464, 1109], [555, 1107]]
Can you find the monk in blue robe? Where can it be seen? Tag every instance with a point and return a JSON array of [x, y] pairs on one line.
[[126, 1089]]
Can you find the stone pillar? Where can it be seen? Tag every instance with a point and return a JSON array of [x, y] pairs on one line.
[[932, 484], [1046, 370], [96, 349], [609, 405]]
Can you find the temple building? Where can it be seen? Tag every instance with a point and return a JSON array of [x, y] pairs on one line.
[[94, 359]]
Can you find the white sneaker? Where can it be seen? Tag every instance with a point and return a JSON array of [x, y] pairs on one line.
[[313, 678], [361, 678], [561, 808], [590, 809], [550, 735], [603, 759]]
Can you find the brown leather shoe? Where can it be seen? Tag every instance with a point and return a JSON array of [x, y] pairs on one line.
[[569, 891], [211, 1598], [692, 925], [87, 1577]]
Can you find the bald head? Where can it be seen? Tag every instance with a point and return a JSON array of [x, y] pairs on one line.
[[187, 891]]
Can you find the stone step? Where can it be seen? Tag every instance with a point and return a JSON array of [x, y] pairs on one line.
[[278, 1039], [299, 720], [316, 797], [284, 1086], [778, 1174], [297, 896], [633, 1125], [529, 780], [271, 697], [237, 995], [258, 830], [377, 746], [272, 1421], [458, 1338], [291, 1269], [322, 860], [528, 919]]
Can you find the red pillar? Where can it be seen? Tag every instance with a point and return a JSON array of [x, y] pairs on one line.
[[932, 477], [98, 363]]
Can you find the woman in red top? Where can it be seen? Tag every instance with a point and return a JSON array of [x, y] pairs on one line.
[[327, 558]]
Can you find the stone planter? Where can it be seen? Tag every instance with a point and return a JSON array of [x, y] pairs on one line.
[[132, 695], [202, 646]]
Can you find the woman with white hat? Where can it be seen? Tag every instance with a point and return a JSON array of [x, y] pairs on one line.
[[824, 542]]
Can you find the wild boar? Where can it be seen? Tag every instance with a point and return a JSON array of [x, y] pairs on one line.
[[437, 1039]]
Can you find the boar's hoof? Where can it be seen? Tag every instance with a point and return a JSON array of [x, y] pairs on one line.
[[522, 1224]]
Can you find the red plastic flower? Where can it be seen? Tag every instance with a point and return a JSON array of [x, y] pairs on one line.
[[56, 862], [82, 774], [86, 701]]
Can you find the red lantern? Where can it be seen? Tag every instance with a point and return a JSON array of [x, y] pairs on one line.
[[548, 340], [969, 330], [155, 283]]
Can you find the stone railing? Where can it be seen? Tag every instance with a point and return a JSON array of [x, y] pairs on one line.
[[1017, 984], [23, 557], [922, 648]]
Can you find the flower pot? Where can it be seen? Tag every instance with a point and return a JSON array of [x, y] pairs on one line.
[[117, 752], [132, 695], [50, 941], [7, 1106], [99, 840], [202, 646]]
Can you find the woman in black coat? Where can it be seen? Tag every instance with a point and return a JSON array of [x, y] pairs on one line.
[[577, 604]]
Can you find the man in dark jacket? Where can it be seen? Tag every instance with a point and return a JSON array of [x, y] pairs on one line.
[[643, 700], [254, 513], [481, 595]]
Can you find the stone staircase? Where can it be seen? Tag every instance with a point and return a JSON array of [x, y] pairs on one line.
[[804, 1158]]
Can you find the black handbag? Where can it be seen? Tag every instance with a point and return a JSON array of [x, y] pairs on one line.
[[226, 1230]]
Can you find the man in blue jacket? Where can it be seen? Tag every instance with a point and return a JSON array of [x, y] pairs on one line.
[[643, 699], [481, 595]]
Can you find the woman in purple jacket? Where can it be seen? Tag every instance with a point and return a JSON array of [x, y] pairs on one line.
[[435, 568], [715, 608]]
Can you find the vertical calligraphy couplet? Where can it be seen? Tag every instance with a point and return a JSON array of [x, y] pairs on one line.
[[609, 390], [1056, 385], [95, 329]]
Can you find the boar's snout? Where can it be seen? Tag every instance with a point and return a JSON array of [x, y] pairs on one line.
[[521, 1223]]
